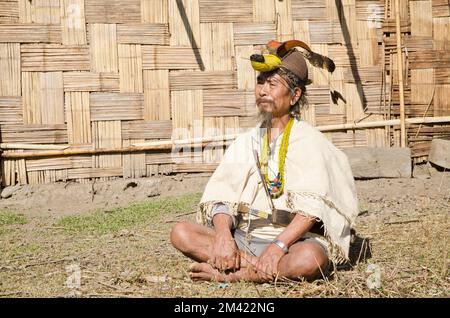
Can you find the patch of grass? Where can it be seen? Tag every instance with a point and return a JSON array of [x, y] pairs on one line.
[[107, 221], [8, 218]]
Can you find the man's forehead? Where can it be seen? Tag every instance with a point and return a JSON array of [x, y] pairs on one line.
[[269, 75]]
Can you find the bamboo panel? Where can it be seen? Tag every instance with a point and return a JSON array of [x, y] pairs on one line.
[[373, 98], [156, 129], [112, 11], [114, 106], [325, 32], [73, 24], [187, 114], [10, 69], [213, 126], [174, 58], [421, 18], [155, 34], [376, 137], [308, 10], [318, 94], [29, 33], [134, 165], [247, 122], [301, 30], [202, 80], [225, 11], [284, 26], [440, 8], [78, 117], [320, 76], [245, 74], [154, 11], [195, 167], [40, 11], [389, 26], [368, 74], [354, 109], [368, 44], [53, 57], [217, 46], [308, 114], [348, 12], [130, 68], [94, 173], [13, 170], [107, 134], [355, 138], [103, 48], [59, 163], [184, 21], [264, 11], [329, 119], [370, 11], [9, 11], [441, 31], [7, 173], [90, 82], [158, 158], [343, 56], [34, 134], [442, 75], [429, 59], [10, 110], [322, 109], [227, 103], [442, 100], [247, 33], [156, 95], [43, 98], [422, 87], [337, 90], [413, 43]]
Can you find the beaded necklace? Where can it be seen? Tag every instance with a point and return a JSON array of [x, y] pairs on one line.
[[276, 185]]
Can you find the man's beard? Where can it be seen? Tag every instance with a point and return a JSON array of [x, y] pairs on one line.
[[265, 118]]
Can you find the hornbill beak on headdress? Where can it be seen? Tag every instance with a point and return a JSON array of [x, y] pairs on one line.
[[281, 49]]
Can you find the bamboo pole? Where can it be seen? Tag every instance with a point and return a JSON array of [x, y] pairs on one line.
[[196, 142], [400, 75], [32, 146]]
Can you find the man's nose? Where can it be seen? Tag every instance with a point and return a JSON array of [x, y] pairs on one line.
[[264, 89]]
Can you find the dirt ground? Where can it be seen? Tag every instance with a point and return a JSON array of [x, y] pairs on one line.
[[54, 244]]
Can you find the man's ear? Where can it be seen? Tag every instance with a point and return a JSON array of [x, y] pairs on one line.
[[296, 96]]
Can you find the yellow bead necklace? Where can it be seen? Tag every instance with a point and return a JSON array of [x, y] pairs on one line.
[[276, 186]]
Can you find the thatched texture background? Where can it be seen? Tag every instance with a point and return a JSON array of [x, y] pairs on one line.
[[111, 73]]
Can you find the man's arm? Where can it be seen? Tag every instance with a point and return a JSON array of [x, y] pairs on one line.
[[225, 254]]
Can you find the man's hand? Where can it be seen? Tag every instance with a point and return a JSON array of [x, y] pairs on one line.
[[225, 253], [267, 265]]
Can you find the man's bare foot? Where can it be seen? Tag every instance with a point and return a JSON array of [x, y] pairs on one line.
[[205, 272]]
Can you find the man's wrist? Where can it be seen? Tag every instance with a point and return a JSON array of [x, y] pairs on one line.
[[281, 245]]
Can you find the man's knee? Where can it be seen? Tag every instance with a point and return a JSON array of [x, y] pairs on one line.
[[180, 234], [308, 262]]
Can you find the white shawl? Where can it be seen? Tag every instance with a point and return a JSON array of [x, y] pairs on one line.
[[318, 183]]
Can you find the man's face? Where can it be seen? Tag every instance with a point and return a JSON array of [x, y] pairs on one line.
[[272, 94]]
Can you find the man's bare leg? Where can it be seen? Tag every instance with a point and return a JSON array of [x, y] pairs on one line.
[[305, 259]]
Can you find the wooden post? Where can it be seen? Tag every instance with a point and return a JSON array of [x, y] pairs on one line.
[[400, 75]]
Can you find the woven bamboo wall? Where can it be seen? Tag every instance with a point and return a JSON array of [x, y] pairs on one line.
[[88, 74]]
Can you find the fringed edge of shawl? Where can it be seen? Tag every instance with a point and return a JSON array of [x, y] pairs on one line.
[[205, 208], [337, 254]]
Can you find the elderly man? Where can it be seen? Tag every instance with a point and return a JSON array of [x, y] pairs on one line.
[[302, 222]]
